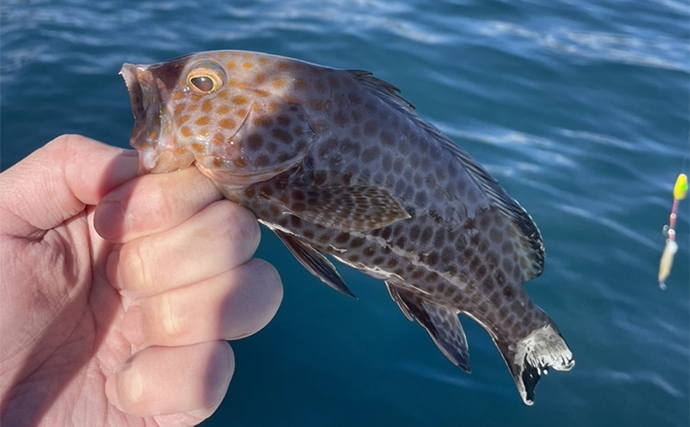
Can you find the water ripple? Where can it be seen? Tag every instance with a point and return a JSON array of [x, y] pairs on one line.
[[609, 223], [609, 47]]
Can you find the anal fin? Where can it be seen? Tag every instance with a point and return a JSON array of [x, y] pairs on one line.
[[315, 262], [442, 324]]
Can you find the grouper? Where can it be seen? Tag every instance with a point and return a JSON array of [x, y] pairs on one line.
[[336, 162]]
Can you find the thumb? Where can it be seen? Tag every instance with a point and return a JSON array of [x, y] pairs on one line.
[[58, 180]]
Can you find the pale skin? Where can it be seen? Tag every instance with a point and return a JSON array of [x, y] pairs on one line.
[[118, 291]]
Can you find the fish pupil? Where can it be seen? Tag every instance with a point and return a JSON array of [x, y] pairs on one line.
[[203, 83]]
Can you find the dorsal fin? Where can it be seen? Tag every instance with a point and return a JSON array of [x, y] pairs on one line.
[[384, 90], [530, 241]]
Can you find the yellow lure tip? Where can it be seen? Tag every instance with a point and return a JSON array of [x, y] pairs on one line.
[[681, 187]]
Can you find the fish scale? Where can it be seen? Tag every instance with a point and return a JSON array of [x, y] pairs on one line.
[[336, 162]]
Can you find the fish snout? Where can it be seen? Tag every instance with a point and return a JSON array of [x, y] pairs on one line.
[[145, 99], [150, 133]]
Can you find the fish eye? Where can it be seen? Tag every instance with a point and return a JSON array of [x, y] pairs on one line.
[[205, 78]]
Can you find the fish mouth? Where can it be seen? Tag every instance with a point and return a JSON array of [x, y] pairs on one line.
[[147, 99]]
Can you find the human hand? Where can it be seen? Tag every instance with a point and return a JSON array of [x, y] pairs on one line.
[[117, 292]]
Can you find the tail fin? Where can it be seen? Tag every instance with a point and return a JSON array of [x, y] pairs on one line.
[[533, 355]]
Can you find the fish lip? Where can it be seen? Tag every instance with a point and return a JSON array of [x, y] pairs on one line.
[[147, 102], [133, 80]]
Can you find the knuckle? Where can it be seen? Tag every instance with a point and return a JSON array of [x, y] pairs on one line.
[[63, 140], [133, 267], [240, 225], [168, 317], [156, 209]]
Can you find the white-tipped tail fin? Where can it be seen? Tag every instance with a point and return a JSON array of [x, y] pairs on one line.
[[532, 356]]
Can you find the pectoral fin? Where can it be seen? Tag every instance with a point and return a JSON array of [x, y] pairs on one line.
[[353, 208], [442, 324], [315, 262]]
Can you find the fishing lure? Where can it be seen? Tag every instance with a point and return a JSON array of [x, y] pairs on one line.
[[680, 190]]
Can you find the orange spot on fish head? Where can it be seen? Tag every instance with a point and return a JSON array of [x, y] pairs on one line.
[[239, 100], [218, 139], [227, 123]]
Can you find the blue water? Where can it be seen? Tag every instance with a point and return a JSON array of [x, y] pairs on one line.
[[580, 110]]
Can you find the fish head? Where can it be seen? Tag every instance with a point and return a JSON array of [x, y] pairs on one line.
[[231, 113]]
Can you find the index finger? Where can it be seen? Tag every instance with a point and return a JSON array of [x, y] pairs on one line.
[[153, 203], [58, 180]]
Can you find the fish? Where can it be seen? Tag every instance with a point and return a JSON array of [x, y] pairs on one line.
[[336, 162]]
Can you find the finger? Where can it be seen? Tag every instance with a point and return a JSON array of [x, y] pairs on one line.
[[232, 305], [153, 203], [221, 237], [58, 180], [169, 380]]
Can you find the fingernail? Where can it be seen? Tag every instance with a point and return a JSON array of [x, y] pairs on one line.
[[133, 326], [111, 268], [125, 385], [110, 221], [132, 383], [111, 391]]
